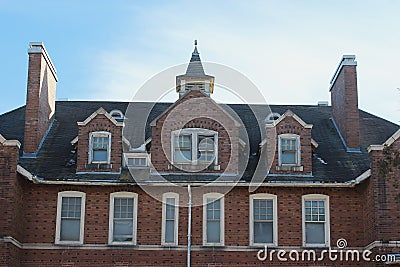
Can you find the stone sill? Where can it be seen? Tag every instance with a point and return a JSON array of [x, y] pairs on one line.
[[289, 168]]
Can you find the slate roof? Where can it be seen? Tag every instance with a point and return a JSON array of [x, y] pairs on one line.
[[55, 158]]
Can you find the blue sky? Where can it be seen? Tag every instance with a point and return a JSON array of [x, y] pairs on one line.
[[105, 50]]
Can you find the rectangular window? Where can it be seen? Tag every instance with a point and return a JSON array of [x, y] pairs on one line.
[[99, 147], [70, 216], [137, 162], [205, 148], [316, 221], [289, 149], [214, 220], [263, 219], [170, 219], [123, 218], [183, 148], [196, 146]]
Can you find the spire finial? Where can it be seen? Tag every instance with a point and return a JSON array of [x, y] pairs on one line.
[[195, 42]]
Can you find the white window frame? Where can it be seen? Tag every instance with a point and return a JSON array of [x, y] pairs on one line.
[[316, 197], [111, 217], [217, 196], [99, 134], [194, 133], [289, 136], [264, 196], [62, 194], [176, 221]]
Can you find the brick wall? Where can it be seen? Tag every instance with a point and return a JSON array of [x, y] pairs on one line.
[[11, 201], [40, 100], [40, 204], [384, 194], [195, 110], [344, 99], [99, 123]]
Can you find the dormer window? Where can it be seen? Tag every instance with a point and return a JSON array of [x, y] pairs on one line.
[[289, 150], [195, 146], [99, 147], [117, 115], [272, 117]]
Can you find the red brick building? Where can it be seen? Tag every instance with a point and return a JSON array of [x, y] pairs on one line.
[[195, 182]]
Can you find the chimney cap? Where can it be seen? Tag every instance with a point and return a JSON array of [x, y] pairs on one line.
[[347, 60], [38, 48]]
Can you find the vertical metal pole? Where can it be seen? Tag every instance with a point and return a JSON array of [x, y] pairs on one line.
[[189, 236]]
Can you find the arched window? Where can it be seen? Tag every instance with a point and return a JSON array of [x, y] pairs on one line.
[[272, 117], [117, 114]]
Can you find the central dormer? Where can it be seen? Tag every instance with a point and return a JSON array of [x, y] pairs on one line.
[[195, 77]]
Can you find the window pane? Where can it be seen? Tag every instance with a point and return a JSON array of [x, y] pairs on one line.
[[123, 208], [137, 162], [123, 230], [71, 207], [183, 155], [169, 231], [213, 231], [315, 211], [100, 142], [205, 142], [288, 157], [123, 219], [263, 232], [315, 233], [70, 229], [170, 211], [100, 155]]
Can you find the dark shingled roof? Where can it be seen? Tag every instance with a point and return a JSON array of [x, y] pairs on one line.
[[54, 158]]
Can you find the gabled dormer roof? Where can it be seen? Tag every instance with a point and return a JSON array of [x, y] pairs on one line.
[[100, 111], [290, 113]]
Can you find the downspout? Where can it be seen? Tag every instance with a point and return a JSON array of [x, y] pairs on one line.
[[189, 235]]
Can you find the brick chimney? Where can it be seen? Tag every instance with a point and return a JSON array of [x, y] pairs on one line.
[[344, 102], [40, 98]]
